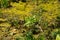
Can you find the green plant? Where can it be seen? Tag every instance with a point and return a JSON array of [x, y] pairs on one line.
[[4, 3], [14, 21], [58, 37], [54, 33], [39, 12], [41, 37], [30, 21], [29, 36]]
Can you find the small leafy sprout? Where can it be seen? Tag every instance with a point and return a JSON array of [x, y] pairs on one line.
[[29, 21], [4, 3]]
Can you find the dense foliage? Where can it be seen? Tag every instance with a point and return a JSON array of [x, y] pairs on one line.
[[29, 19]]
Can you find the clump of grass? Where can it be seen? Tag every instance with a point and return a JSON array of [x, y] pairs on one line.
[[27, 36], [4, 3], [14, 20], [30, 21]]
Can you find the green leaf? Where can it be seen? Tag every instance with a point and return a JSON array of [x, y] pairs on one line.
[[58, 37]]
